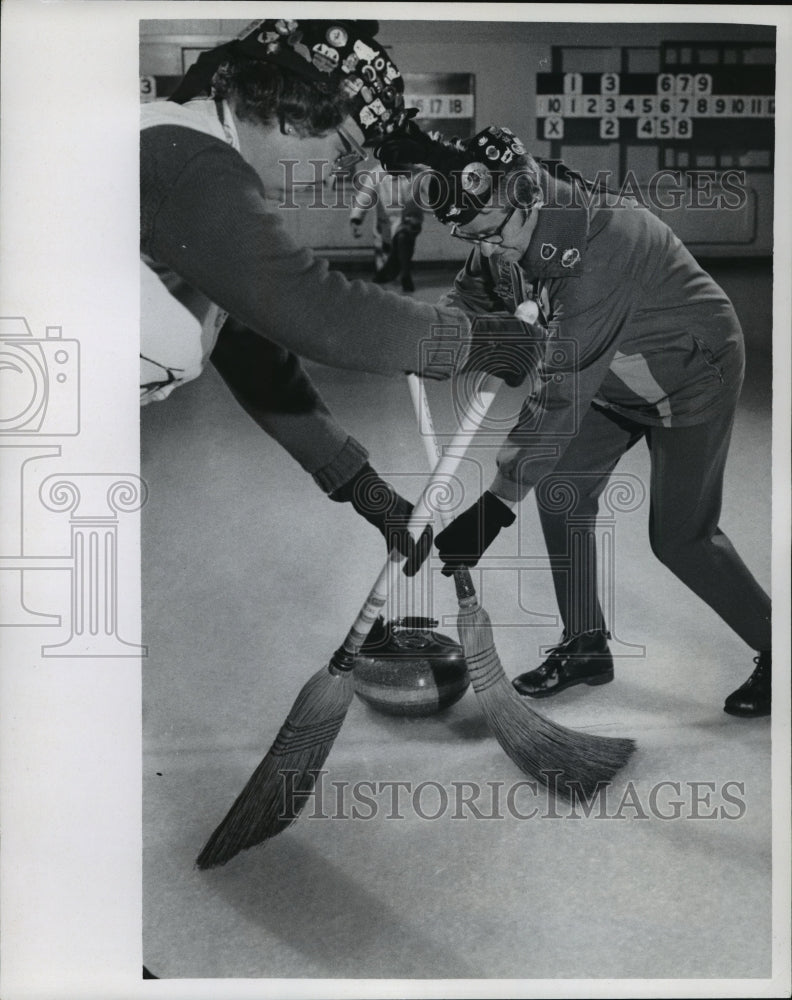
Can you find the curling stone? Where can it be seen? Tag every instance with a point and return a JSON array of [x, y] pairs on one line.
[[404, 668]]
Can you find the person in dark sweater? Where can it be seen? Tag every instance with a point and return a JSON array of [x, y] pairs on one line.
[[222, 280], [641, 345]]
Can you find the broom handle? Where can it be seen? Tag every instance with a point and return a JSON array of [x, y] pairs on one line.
[[480, 390], [466, 592], [444, 467], [486, 395]]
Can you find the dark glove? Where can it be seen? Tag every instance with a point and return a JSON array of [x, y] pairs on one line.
[[505, 347], [381, 505], [409, 147], [470, 534]]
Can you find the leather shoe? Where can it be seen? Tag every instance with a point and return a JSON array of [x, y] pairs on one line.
[[388, 272], [578, 659], [752, 700]]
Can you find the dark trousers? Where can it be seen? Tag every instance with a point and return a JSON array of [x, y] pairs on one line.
[[399, 262], [686, 489]]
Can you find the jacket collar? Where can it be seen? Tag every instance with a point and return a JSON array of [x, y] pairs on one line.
[[558, 245]]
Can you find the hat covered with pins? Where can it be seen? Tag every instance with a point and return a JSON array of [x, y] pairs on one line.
[[483, 159], [334, 56], [463, 172]]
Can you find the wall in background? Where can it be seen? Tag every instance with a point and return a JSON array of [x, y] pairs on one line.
[[506, 59]]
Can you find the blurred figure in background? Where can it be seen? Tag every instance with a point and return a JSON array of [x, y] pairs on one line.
[[398, 220]]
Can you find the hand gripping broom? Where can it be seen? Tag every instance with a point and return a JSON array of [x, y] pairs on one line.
[[264, 807], [562, 759]]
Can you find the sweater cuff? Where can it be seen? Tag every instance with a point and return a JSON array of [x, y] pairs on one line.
[[507, 489], [446, 352], [352, 457]]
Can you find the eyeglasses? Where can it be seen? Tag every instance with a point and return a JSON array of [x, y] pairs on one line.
[[353, 151], [352, 155], [495, 237]]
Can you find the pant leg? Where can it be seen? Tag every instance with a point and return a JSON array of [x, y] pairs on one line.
[[568, 502], [686, 495], [404, 246]]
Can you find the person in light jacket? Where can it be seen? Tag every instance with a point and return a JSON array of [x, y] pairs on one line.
[[640, 345]]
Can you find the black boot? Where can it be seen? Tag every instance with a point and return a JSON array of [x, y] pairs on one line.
[[390, 269], [384, 275], [752, 699], [579, 659]]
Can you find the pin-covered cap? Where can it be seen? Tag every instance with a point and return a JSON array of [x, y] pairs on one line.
[[334, 56]]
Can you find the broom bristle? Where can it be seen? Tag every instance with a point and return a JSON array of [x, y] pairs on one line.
[[263, 808], [566, 761]]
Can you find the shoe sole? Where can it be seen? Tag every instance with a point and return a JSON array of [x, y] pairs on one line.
[[595, 681], [739, 714]]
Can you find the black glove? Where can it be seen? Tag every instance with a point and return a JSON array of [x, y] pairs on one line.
[[381, 505], [470, 534], [505, 347], [410, 147]]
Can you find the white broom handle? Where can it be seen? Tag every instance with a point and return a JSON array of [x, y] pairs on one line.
[[481, 390], [446, 461], [486, 391], [444, 467]]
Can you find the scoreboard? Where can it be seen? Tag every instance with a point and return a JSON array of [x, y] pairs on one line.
[[612, 106], [715, 103], [445, 101]]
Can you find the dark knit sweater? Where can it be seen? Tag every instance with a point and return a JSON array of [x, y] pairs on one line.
[[204, 216]]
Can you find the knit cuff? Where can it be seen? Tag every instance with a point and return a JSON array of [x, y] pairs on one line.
[[352, 457], [447, 351], [497, 511]]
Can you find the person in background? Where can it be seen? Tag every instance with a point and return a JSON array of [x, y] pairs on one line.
[[398, 220], [222, 280], [381, 230], [657, 357]]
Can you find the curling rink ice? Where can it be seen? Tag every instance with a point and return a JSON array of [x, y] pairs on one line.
[[251, 578]]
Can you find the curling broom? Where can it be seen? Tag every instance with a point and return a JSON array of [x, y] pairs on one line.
[[564, 760], [263, 807]]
